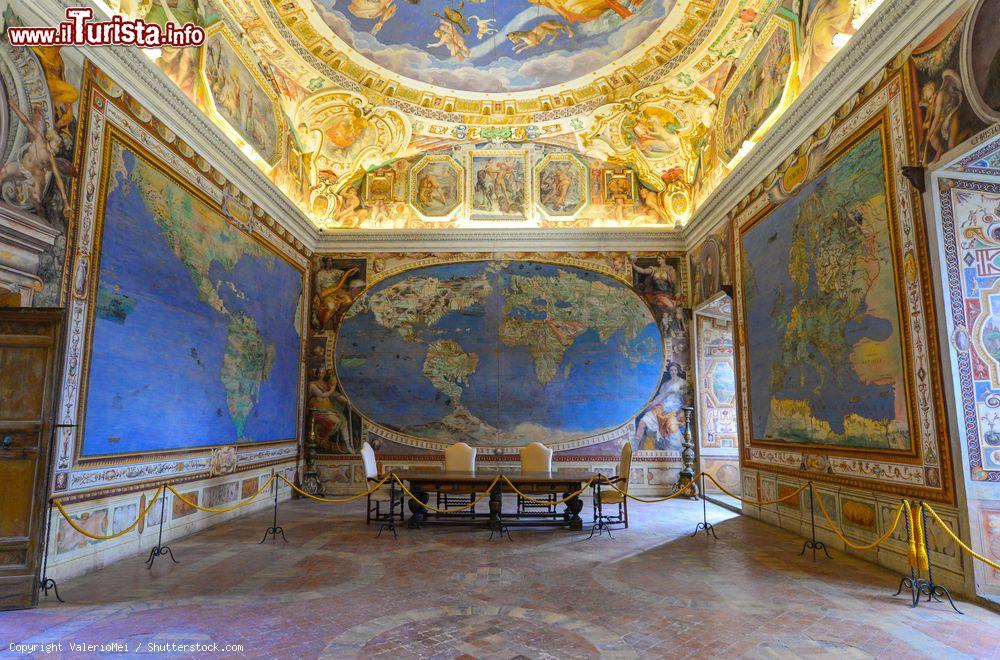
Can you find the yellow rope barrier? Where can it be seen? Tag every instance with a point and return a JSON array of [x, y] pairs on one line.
[[545, 502], [957, 540], [690, 486], [223, 509], [437, 510], [106, 537], [335, 500], [879, 541], [757, 502]]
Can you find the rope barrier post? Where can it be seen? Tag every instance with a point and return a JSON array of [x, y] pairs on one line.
[[927, 586], [812, 543], [911, 581], [600, 521], [45, 582], [159, 549], [274, 529], [704, 524], [390, 524]]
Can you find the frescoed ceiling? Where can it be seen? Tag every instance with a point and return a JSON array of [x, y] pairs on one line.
[[383, 114]]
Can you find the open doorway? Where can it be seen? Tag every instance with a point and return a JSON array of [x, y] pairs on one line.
[[715, 396], [965, 192]]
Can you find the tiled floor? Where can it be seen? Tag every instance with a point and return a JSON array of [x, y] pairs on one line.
[[336, 591]]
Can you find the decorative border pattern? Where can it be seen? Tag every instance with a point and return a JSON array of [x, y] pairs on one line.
[[976, 394]]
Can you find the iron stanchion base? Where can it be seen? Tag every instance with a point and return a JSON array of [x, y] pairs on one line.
[[390, 525], [48, 583], [273, 533], [708, 527], [919, 587], [814, 546], [600, 526], [501, 530], [159, 551]]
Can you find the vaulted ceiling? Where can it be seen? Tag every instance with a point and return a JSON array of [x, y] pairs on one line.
[[381, 114]]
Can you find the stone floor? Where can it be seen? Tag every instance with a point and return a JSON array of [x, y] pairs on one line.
[[336, 591]]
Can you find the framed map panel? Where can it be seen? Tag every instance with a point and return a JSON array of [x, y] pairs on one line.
[[186, 313], [837, 377]]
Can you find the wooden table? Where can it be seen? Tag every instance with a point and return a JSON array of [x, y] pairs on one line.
[[424, 482]]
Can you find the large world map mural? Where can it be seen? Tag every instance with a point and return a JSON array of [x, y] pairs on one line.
[[490, 351], [825, 351], [195, 334]]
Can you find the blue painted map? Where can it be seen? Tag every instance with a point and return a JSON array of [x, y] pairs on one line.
[[195, 336], [509, 351], [824, 340]]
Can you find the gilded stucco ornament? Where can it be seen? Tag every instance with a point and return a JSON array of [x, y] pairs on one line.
[[344, 136]]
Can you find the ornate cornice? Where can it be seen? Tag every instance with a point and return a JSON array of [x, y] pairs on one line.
[[140, 77], [498, 240], [895, 25]]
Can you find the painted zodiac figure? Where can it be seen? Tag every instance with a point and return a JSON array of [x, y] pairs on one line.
[[383, 10], [449, 37], [536, 36], [584, 11]]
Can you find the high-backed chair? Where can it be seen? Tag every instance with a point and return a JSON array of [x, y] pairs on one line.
[[609, 496], [459, 457], [536, 457], [384, 492]]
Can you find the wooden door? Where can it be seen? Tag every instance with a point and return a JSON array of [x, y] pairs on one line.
[[30, 347]]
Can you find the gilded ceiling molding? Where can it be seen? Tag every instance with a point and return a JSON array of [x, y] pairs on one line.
[[130, 68], [890, 29], [497, 240]]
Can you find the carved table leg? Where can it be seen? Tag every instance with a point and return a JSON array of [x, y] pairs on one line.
[[574, 506], [418, 514], [496, 504]]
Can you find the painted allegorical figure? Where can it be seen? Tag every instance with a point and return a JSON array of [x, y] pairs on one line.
[[335, 289], [329, 410]]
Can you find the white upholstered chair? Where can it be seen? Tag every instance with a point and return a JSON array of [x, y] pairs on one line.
[[536, 457], [459, 457], [383, 494], [609, 496]]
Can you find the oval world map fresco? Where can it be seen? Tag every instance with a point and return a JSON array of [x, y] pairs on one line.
[[493, 45], [491, 351]]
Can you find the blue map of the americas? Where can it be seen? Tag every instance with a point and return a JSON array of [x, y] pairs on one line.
[[195, 337]]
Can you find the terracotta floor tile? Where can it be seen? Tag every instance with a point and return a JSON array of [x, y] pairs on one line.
[[336, 591]]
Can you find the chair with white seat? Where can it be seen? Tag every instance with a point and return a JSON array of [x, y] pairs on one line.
[[609, 496], [382, 494], [459, 457], [536, 457]]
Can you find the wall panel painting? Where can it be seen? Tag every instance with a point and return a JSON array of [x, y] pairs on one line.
[[499, 188], [837, 378], [195, 331], [240, 96], [825, 356], [758, 88], [981, 59], [943, 109]]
